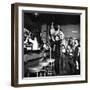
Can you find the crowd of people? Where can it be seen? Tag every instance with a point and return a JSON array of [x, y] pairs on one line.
[[65, 51]]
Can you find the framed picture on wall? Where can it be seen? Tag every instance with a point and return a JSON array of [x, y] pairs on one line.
[[48, 44]]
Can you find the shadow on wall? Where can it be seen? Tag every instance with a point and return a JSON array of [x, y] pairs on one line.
[[71, 30]]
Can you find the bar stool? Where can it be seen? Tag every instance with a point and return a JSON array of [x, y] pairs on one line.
[[44, 64], [35, 69], [51, 66], [51, 61]]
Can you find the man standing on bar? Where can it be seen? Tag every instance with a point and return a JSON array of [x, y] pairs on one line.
[[59, 36]]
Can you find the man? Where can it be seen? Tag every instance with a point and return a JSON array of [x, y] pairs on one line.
[[52, 31], [59, 32], [52, 39], [59, 63], [57, 55]]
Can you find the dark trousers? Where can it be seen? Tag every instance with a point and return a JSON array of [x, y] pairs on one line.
[[57, 57], [57, 66]]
